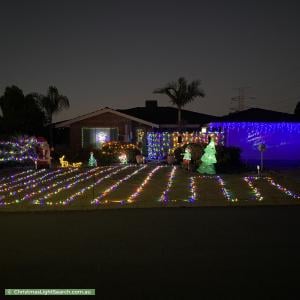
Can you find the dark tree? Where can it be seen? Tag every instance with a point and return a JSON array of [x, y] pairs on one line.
[[21, 114], [181, 93], [52, 104]]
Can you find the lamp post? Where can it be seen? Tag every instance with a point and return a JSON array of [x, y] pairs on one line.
[[262, 149]]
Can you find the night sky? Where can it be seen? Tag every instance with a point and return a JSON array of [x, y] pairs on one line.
[[115, 53]]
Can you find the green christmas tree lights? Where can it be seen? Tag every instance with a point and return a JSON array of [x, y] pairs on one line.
[[92, 160], [208, 159]]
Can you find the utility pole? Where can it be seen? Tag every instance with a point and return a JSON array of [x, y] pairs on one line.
[[239, 102]]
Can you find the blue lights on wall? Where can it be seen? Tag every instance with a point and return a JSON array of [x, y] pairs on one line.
[[282, 139], [160, 144]]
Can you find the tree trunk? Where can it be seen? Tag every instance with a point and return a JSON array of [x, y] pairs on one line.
[[51, 133], [179, 117]]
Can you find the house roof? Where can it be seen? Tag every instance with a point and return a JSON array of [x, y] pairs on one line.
[[165, 115], [102, 111], [259, 115]]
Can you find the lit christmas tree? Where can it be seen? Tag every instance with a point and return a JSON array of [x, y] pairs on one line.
[[208, 159], [92, 160]]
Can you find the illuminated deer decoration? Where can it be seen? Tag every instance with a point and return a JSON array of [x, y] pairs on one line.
[[65, 164]]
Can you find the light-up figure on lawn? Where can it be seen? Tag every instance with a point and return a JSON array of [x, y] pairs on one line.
[[123, 158], [92, 160], [187, 157], [208, 159]]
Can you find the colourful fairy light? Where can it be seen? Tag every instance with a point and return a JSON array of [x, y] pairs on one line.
[[23, 150], [282, 189], [33, 182], [51, 179], [192, 186], [83, 190], [165, 194], [44, 189], [71, 182], [9, 178], [16, 182], [161, 143], [225, 191], [227, 194], [142, 186], [277, 186], [39, 186], [249, 180], [114, 186]]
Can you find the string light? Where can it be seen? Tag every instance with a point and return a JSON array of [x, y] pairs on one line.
[[15, 182], [72, 182], [143, 184], [282, 189], [249, 180], [276, 185], [31, 184], [9, 178], [56, 183], [48, 187], [31, 180], [192, 186], [227, 194], [165, 195], [83, 190], [25, 150], [280, 138], [114, 186], [162, 143]]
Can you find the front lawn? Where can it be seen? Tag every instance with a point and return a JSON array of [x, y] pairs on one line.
[[123, 186]]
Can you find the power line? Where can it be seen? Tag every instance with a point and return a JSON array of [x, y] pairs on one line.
[[238, 103]]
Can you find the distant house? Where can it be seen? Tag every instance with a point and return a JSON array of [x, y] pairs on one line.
[[126, 125]]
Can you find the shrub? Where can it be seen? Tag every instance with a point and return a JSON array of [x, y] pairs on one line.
[[229, 159], [108, 154]]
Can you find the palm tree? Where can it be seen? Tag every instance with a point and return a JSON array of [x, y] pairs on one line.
[[52, 104], [181, 93]]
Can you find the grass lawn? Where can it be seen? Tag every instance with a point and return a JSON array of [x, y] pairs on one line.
[[139, 186]]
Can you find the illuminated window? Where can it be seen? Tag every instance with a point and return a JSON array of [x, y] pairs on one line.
[[95, 137]]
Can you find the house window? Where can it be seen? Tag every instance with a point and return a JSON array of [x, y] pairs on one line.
[[95, 137], [140, 134]]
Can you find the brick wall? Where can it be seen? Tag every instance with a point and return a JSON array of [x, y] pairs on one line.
[[108, 120]]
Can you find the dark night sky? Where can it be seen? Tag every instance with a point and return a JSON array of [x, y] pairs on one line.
[[114, 53]]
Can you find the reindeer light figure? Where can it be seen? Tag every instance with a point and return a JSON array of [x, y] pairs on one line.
[[63, 163]]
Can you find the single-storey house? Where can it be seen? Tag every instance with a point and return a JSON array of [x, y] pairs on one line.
[[280, 132], [126, 125]]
